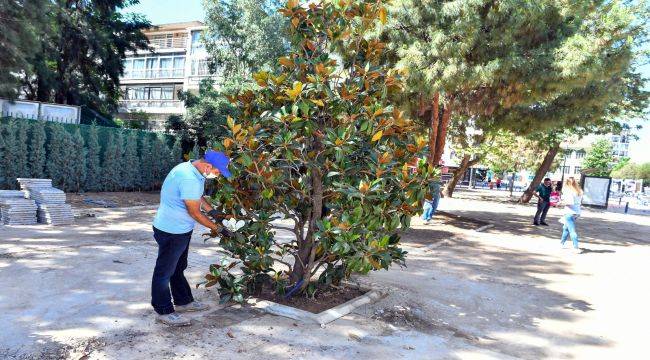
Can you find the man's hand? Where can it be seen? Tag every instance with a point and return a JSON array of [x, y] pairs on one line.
[[194, 210], [216, 215]]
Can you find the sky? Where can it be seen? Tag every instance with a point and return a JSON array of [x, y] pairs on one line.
[[168, 11]]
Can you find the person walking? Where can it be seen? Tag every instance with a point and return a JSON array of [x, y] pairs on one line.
[[543, 193], [181, 200], [431, 205], [572, 199]]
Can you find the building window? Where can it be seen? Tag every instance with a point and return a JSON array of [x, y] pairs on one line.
[[200, 68], [577, 169], [615, 138], [580, 154], [149, 93], [154, 67], [197, 44], [566, 169], [162, 40]]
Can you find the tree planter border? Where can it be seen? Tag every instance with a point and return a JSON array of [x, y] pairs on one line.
[[372, 295]]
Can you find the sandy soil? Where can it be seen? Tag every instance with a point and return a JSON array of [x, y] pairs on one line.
[[507, 292], [92, 200]]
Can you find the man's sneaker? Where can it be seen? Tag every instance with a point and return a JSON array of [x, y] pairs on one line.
[[543, 223], [536, 224], [193, 306], [173, 319]]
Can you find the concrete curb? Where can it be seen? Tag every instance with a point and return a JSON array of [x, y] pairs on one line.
[[321, 318], [484, 227]]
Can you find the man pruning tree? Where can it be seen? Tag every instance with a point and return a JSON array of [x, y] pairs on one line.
[[181, 201], [543, 193]]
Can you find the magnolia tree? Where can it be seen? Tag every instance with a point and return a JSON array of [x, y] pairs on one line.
[[320, 143]]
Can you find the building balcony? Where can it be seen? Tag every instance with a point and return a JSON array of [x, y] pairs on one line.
[[154, 74], [154, 106], [168, 42]]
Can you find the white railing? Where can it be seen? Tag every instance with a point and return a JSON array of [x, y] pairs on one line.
[[35, 110], [154, 73], [162, 103], [169, 43]]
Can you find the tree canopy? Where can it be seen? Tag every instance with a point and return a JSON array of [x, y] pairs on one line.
[[599, 159], [77, 58], [243, 36]]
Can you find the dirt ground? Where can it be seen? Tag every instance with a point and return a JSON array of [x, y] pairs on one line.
[[82, 291], [112, 199]]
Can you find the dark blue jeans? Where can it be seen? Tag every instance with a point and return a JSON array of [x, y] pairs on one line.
[[170, 264]]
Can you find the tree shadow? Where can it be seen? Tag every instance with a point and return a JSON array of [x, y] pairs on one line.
[[493, 295]]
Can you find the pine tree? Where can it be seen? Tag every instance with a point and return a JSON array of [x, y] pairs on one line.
[[93, 168], [8, 159], [22, 166], [158, 161], [111, 165], [119, 154], [131, 174], [37, 151], [3, 153], [76, 162], [175, 155], [77, 59], [196, 152], [146, 178], [57, 154]]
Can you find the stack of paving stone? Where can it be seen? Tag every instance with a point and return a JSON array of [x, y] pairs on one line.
[[15, 209], [52, 208]]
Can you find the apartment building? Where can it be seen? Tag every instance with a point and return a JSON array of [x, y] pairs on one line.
[[152, 79], [575, 153]]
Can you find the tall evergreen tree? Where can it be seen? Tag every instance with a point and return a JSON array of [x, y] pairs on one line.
[[158, 161], [77, 162], [22, 149], [20, 26], [93, 167], [111, 171], [175, 154], [130, 162], [8, 156], [2, 156], [57, 154], [78, 60], [146, 169], [119, 155], [37, 150]]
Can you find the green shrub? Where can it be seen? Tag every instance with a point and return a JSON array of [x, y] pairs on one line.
[[72, 155]]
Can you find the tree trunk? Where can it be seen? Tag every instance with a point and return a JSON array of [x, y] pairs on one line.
[[539, 174], [442, 132], [305, 256], [457, 175], [433, 130]]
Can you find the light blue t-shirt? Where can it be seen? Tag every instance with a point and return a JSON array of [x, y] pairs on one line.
[[184, 182]]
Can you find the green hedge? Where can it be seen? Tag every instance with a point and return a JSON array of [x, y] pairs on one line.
[[85, 157]]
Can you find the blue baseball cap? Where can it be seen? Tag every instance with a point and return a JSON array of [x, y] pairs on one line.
[[218, 160]]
